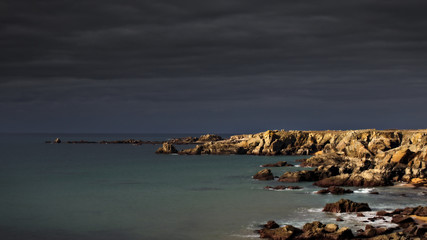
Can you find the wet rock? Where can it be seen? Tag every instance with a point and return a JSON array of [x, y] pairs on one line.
[[334, 190], [167, 148], [373, 219], [346, 205], [278, 164], [371, 231], [402, 220], [383, 213], [338, 219], [360, 215], [57, 140], [264, 175], [271, 225]]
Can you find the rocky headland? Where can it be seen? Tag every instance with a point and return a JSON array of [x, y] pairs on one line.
[[364, 158]]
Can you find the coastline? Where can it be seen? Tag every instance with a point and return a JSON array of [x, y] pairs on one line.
[[362, 158]]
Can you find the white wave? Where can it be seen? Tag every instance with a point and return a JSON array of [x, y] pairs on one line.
[[246, 236], [364, 190], [354, 221], [315, 210], [297, 165]]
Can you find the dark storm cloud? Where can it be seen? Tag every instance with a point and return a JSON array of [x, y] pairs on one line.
[[215, 57]]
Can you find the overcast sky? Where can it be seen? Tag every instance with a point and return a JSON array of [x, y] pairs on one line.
[[219, 66]]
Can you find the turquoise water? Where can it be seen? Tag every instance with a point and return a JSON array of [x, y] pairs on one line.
[[93, 191]]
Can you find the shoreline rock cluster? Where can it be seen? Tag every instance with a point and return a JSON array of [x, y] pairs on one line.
[[364, 158], [408, 228]]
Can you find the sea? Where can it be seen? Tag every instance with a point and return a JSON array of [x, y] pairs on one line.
[[127, 192]]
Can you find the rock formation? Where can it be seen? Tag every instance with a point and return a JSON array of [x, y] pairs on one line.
[[334, 190], [167, 148], [264, 175], [345, 205], [409, 229], [346, 158], [314, 230]]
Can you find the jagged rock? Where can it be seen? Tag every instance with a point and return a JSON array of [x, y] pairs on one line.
[[323, 159], [346, 205], [57, 140], [278, 164], [264, 175], [334, 190], [167, 148]]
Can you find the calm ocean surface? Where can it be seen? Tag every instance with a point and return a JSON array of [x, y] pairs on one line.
[[94, 191]]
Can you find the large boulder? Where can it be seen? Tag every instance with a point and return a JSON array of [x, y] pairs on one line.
[[346, 205], [167, 148], [264, 174]]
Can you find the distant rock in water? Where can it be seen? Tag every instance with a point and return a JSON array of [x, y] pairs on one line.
[[334, 190], [346, 205], [282, 187], [278, 164], [264, 175], [167, 148], [57, 140]]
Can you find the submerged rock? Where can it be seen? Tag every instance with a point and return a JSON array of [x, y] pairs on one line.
[[278, 164], [264, 175], [282, 187], [346, 205]]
